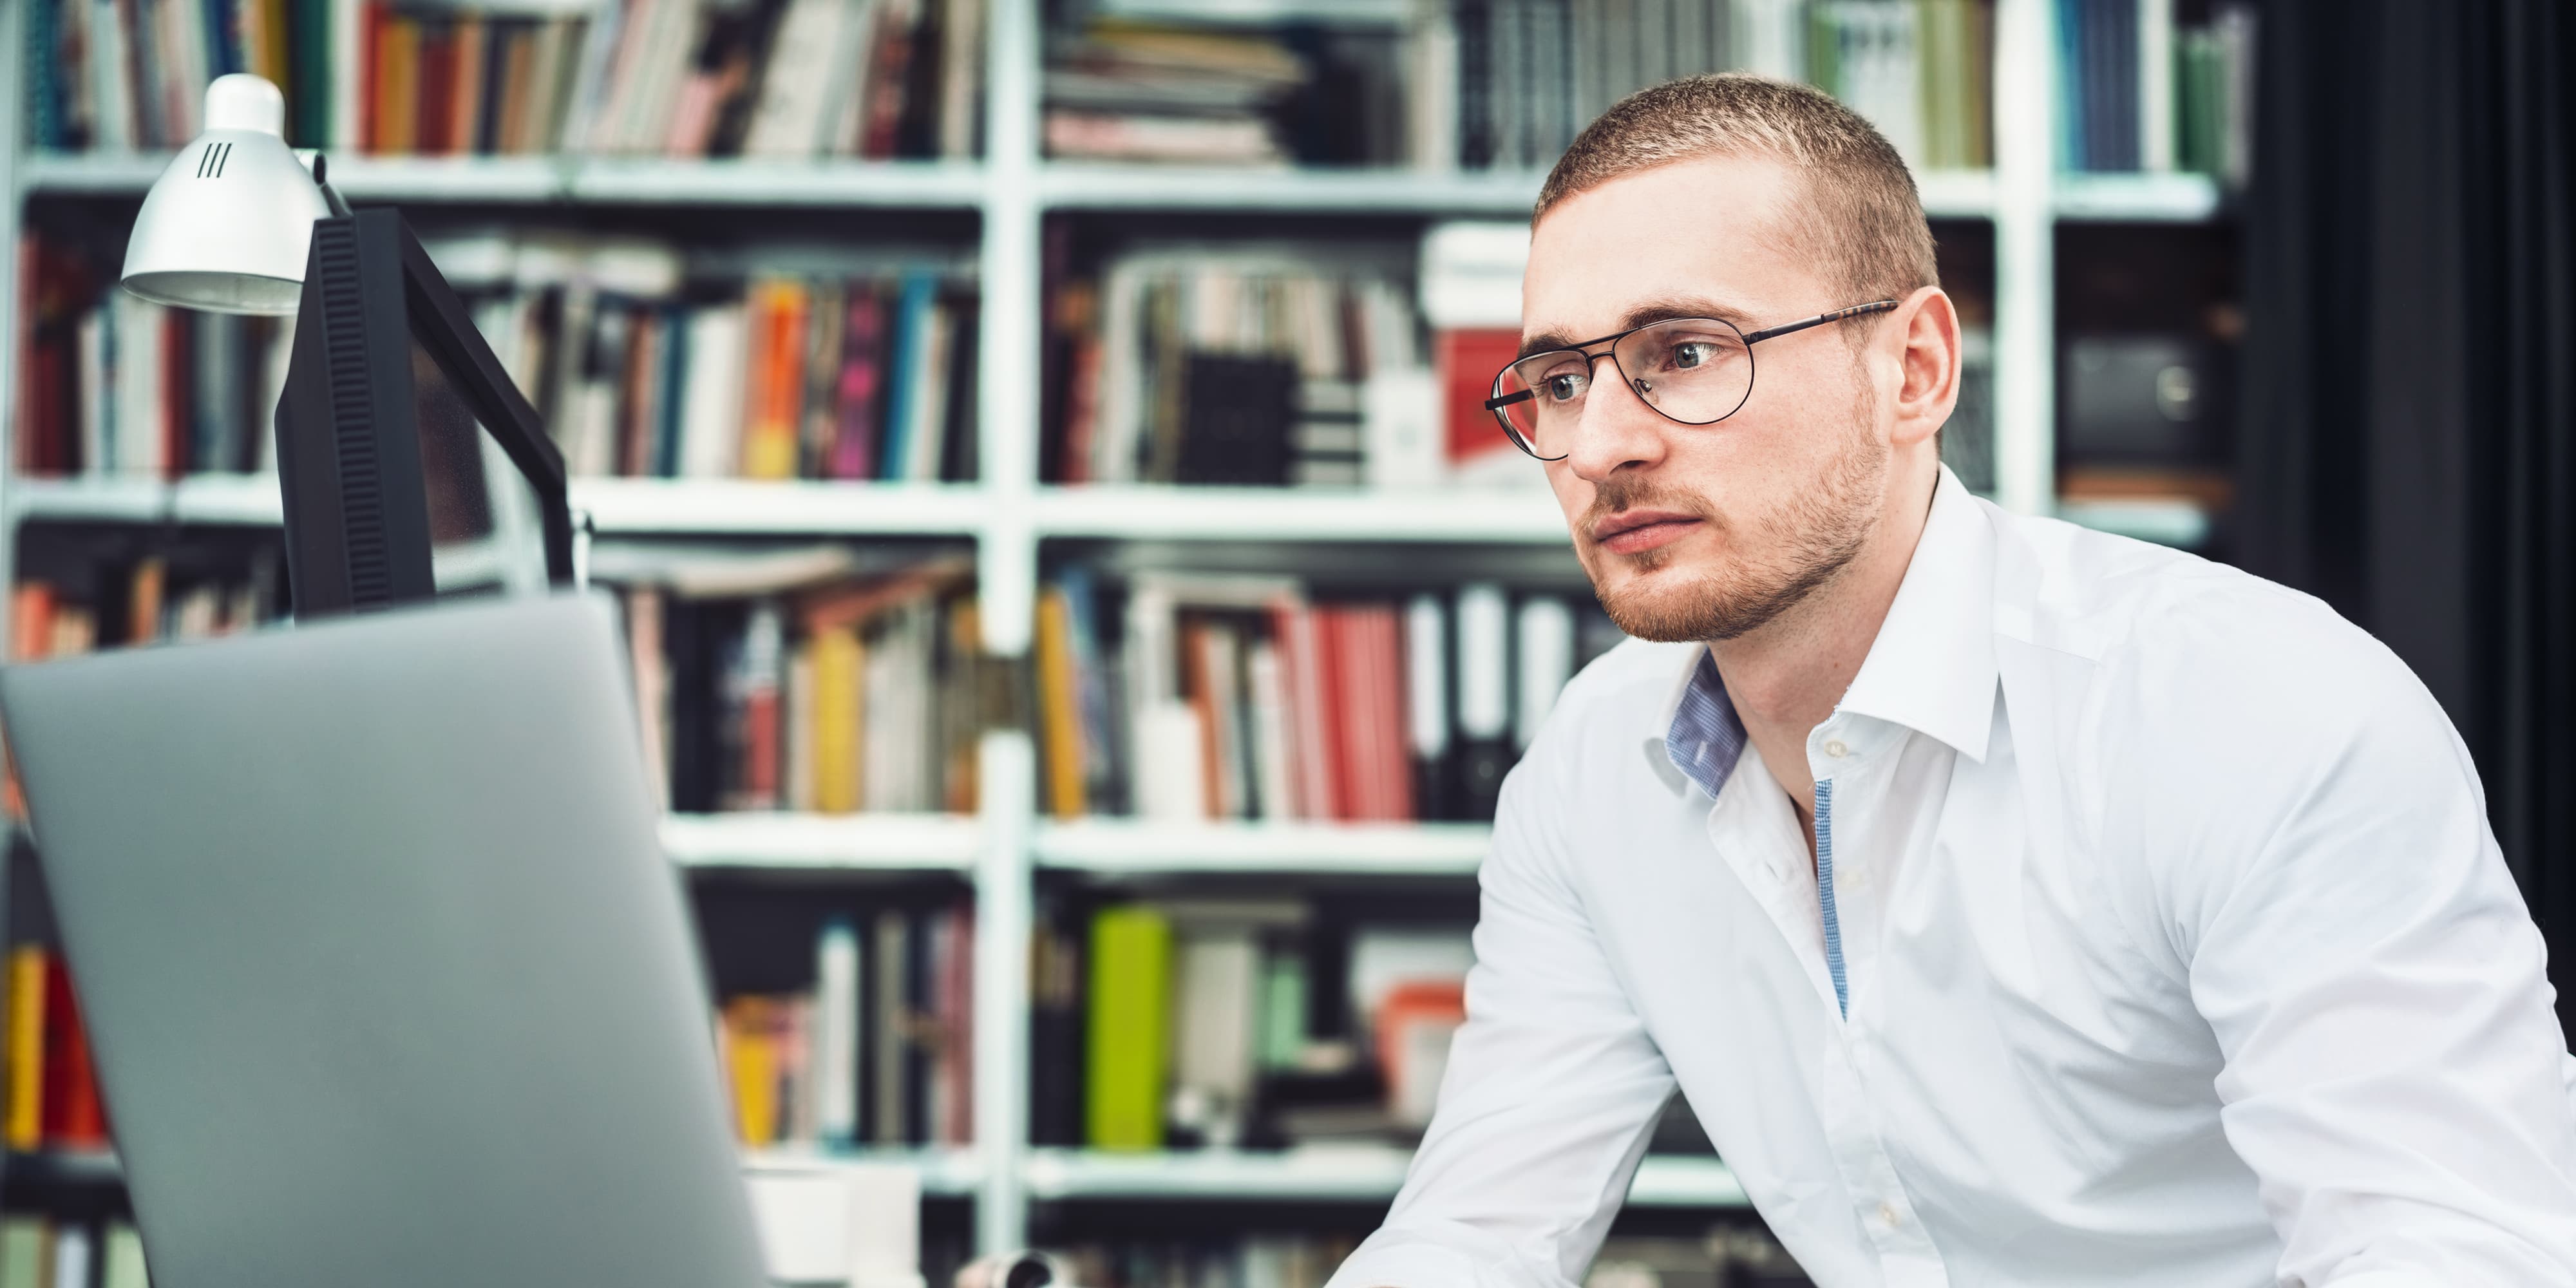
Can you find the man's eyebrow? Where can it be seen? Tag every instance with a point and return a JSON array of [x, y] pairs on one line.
[[1659, 310]]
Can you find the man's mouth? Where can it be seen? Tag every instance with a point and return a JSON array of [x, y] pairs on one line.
[[1632, 531]]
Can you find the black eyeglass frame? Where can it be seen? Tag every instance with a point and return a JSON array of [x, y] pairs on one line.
[[1500, 400]]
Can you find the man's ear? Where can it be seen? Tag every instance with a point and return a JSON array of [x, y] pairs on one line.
[[1926, 329]]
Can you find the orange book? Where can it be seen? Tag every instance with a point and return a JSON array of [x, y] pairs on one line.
[[25, 1112], [143, 601], [1059, 717], [1199, 682], [398, 84], [31, 614], [465, 59], [777, 380]]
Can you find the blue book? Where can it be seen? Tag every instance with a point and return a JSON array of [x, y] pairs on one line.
[[903, 392], [673, 381], [223, 37], [2070, 86], [44, 97]]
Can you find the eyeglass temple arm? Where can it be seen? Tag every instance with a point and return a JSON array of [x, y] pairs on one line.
[[1880, 306], [1505, 400]]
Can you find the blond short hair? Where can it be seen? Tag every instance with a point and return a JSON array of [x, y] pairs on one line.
[[1862, 216]]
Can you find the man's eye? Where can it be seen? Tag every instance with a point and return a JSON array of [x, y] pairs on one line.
[[1564, 386]]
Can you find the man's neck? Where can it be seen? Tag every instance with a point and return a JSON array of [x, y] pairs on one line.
[[1786, 678]]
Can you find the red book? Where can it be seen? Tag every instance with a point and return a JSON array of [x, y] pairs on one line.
[[178, 395], [1298, 628], [1392, 760], [1341, 674], [74, 1115], [1467, 361], [436, 115], [371, 45]]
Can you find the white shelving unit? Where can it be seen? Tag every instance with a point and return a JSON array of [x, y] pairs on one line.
[[1009, 513]]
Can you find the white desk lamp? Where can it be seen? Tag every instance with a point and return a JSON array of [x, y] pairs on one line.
[[227, 225]]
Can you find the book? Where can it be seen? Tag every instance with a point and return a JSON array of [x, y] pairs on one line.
[[121, 1257], [1127, 1044], [27, 1030]]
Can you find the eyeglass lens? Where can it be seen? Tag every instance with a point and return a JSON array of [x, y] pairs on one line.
[[1694, 370]]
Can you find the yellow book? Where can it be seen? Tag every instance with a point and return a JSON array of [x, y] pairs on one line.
[[26, 1107], [1059, 723], [839, 661], [751, 1050]]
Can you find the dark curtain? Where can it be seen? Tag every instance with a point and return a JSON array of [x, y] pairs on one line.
[[2409, 438]]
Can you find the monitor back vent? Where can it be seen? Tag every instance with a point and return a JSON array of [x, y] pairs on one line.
[[353, 429]]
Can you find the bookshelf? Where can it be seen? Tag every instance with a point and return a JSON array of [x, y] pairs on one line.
[[1009, 516]]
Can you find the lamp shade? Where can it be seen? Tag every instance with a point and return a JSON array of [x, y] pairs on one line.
[[226, 227]]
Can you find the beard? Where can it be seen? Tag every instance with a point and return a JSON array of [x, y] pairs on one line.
[[1774, 562]]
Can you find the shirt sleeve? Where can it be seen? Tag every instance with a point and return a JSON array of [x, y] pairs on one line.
[[1551, 1088], [2393, 1073]]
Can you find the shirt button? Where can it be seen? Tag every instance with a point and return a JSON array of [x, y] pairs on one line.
[[1834, 747], [1887, 1216]]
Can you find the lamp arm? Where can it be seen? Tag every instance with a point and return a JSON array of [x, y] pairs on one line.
[[321, 167]]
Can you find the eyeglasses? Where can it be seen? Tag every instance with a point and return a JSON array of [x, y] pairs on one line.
[[1693, 371]]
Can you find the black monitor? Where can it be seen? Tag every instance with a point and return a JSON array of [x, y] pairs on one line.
[[411, 466]]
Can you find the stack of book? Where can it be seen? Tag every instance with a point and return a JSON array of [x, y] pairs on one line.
[[641, 367], [1255, 1023], [786, 78], [66, 1252], [118, 385], [2141, 94], [119, 601], [683, 78], [1243, 369], [53, 1101], [827, 695], [1242, 698], [1270, 1259], [1508, 83], [138, 601], [877, 1051], [1126, 91], [1920, 70]]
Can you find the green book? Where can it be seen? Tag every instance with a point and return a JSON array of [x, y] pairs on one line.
[[1283, 1010], [1130, 1039], [26, 1248], [123, 1258]]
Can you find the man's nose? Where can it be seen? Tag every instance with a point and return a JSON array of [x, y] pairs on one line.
[[1615, 429]]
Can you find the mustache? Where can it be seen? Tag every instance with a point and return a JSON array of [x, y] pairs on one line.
[[1617, 494]]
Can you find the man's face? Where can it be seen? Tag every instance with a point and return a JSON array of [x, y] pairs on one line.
[[1698, 532]]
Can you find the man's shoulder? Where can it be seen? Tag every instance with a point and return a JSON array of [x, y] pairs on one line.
[[2182, 651], [2141, 611]]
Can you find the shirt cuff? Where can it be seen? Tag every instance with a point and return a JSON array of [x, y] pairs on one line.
[[1408, 1263], [2384, 1279]]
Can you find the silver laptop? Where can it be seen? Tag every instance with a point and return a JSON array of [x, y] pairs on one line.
[[387, 978]]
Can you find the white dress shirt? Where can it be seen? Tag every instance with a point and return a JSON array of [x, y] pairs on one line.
[[2160, 940]]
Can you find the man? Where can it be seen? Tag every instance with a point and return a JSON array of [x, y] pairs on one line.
[[2014, 905]]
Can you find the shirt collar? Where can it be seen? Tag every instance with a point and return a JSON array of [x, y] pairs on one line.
[[1931, 668]]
